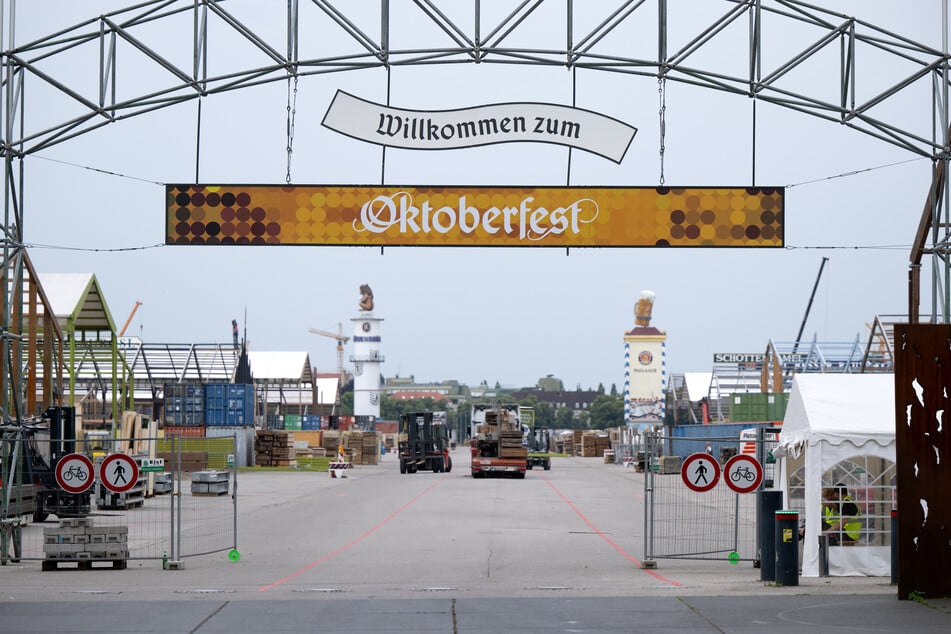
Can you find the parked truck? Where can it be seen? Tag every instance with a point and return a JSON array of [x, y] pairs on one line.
[[496, 444], [423, 443]]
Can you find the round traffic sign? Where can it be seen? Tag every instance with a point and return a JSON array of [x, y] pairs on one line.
[[118, 472], [700, 472], [743, 473], [74, 473]]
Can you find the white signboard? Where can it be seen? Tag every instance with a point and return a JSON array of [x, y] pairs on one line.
[[479, 125]]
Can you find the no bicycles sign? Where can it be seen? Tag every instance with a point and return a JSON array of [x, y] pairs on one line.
[[743, 473], [74, 473]]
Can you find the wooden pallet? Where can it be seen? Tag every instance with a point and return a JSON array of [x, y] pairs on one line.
[[85, 564]]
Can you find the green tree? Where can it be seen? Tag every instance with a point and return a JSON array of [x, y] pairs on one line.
[[346, 403], [565, 418], [600, 388], [606, 411], [613, 390]]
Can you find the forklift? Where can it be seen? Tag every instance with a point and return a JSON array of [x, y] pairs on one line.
[[423, 444], [34, 450], [539, 447]]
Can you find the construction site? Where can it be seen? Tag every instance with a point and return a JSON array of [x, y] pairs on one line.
[[121, 451]]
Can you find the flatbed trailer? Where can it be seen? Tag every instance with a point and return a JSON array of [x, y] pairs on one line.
[[482, 467]]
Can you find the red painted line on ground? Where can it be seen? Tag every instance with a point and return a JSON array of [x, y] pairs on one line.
[[598, 532], [353, 543]]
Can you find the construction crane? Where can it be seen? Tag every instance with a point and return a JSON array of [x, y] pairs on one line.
[[129, 320], [340, 341]]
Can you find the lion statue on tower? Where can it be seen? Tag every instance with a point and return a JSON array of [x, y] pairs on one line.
[[366, 297]]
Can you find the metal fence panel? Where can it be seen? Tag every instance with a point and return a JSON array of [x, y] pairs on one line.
[[184, 510], [680, 523]]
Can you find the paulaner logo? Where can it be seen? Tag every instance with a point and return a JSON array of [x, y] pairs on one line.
[[527, 222]]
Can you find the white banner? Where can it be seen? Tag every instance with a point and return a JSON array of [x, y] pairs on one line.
[[480, 125]]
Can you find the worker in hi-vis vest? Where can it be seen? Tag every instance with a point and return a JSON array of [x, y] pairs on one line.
[[842, 520]]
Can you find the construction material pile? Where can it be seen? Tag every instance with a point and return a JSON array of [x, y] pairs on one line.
[[274, 448]]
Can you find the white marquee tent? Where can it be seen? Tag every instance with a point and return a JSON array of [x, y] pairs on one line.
[[840, 428]]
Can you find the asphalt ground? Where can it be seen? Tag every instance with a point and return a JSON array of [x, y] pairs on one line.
[[559, 551]]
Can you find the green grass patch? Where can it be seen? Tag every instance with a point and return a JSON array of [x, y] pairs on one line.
[[303, 464]]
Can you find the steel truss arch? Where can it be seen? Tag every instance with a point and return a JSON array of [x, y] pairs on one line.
[[189, 66]]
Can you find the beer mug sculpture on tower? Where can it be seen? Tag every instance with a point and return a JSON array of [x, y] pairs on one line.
[[643, 308]]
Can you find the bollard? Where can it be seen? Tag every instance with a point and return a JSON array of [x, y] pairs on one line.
[[894, 547], [787, 548], [823, 555], [767, 503]]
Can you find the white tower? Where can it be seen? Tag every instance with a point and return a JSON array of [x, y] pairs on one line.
[[645, 368], [366, 360]]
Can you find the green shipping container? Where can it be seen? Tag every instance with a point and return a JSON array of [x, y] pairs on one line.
[[292, 421], [748, 407]]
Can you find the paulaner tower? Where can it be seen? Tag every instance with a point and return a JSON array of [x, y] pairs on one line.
[[366, 360], [645, 367]]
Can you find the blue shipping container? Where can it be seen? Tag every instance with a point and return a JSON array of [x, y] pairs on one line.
[[310, 421], [184, 405], [228, 405]]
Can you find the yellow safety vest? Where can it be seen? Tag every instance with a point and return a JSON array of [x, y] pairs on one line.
[[852, 526]]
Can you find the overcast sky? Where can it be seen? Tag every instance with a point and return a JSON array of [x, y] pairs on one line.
[[506, 315]]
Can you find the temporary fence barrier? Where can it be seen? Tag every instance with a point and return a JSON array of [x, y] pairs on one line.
[[683, 523], [183, 503]]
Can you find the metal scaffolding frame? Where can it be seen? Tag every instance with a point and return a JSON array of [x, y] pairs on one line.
[[768, 77]]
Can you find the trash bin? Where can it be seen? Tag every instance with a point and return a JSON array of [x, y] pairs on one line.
[[787, 548]]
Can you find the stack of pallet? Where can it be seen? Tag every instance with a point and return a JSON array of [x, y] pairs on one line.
[[331, 442], [577, 437], [353, 446], [594, 444], [371, 447], [510, 445], [77, 541], [565, 444], [274, 448], [669, 464]]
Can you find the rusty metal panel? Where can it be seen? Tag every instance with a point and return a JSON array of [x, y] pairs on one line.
[[923, 451]]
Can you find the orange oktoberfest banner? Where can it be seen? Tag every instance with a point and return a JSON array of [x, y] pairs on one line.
[[356, 215]]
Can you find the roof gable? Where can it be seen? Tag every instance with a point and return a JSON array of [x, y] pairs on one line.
[[77, 301]]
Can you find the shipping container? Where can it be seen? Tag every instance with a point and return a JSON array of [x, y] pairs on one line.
[[310, 421], [292, 421], [689, 439], [275, 422], [229, 405], [184, 404], [184, 431], [758, 406]]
